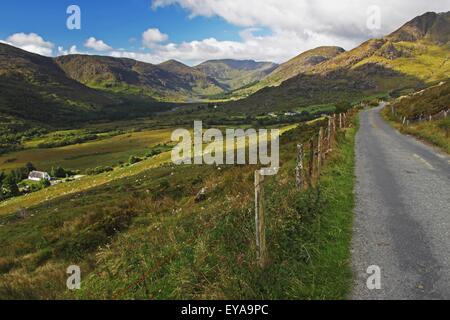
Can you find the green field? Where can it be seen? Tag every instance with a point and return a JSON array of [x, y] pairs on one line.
[[105, 152]]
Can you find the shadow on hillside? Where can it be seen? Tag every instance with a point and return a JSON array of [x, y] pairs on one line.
[[342, 85]]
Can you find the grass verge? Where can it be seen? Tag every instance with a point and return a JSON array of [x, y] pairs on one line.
[[436, 132]]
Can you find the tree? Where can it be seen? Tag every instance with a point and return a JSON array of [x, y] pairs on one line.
[[58, 172], [10, 185], [30, 167]]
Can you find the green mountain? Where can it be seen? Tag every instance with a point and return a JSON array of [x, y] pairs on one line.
[[300, 64], [235, 74], [169, 81], [411, 58], [35, 88]]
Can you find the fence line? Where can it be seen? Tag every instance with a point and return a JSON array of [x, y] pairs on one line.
[[443, 114], [320, 146]]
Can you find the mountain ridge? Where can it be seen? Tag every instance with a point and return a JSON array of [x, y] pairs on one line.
[[234, 74]]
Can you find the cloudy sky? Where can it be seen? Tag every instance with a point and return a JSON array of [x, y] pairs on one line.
[[193, 31]]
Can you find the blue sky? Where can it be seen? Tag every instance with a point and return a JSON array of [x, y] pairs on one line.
[[196, 30], [114, 21]]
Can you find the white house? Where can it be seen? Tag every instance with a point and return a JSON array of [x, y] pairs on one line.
[[39, 176]]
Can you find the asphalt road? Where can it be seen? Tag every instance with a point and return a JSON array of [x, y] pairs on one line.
[[402, 222]]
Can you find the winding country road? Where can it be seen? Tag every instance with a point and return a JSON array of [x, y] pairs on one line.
[[402, 221]]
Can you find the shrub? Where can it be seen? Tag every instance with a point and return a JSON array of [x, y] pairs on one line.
[[59, 172], [445, 125], [98, 170], [134, 159], [45, 184], [6, 265]]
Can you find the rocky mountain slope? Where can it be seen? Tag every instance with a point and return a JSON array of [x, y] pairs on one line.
[[300, 64], [235, 74]]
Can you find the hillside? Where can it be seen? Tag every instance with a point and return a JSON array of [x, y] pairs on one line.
[[411, 115], [300, 64], [235, 74], [35, 88], [147, 222], [426, 102], [169, 81], [412, 57]]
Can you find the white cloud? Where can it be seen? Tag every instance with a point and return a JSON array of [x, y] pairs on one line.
[[31, 42], [278, 47], [295, 25], [72, 50], [153, 36], [97, 45], [140, 56]]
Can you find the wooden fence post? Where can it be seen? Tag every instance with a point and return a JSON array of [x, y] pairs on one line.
[[261, 253], [340, 121], [312, 162], [319, 151], [329, 135], [299, 170]]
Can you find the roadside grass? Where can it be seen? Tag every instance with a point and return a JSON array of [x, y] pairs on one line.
[[144, 236], [435, 132]]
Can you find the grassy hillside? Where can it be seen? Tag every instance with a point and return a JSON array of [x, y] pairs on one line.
[[429, 101], [169, 81], [34, 88], [145, 237], [421, 105], [300, 64], [235, 74]]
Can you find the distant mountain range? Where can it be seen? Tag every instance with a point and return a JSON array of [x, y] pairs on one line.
[[79, 87], [169, 81], [235, 74]]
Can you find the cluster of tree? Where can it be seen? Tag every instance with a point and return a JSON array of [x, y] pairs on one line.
[[13, 133], [61, 173], [9, 182], [67, 140], [99, 170]]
